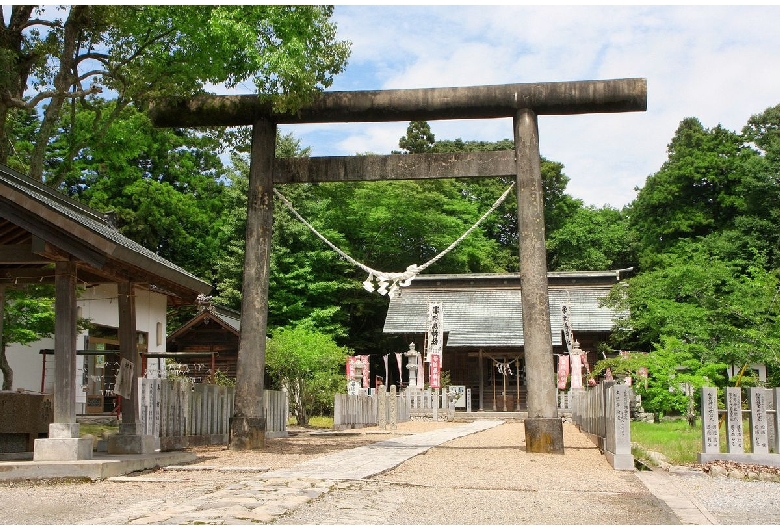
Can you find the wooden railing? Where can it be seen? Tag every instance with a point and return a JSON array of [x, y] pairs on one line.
[[182, 414]]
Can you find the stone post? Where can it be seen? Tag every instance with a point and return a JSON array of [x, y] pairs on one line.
[[758, 421], [736, 442], [776, 421], [393, 408], [381, 407], [710, 441], [543, 428], [247, 426]]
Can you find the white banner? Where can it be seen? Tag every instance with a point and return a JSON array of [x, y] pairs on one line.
[[435, 329], [567, 332]]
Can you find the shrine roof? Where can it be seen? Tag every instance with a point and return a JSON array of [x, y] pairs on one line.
[[31, 211], [485, 310]]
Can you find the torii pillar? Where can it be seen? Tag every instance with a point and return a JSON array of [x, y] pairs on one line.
[[522, 101]]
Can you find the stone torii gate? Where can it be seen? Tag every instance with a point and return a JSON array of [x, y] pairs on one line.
[[522, 102]]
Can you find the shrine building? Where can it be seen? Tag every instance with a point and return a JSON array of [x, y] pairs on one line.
[[483, 327]]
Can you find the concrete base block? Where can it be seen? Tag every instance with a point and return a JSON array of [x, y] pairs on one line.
[[620, 462], [544, 435], [62, 449], [765, 459], [130, 444], [64, 430]]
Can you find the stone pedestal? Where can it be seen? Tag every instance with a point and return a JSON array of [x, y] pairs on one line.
[[63, 444], [544, 435], [246, 433], [130, 444], [131, 441]]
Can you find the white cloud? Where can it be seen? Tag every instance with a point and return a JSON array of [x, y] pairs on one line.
[[715, 63]]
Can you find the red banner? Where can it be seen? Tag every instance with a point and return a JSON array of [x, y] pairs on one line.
[[435, 368], [366, 370], [563, 371]]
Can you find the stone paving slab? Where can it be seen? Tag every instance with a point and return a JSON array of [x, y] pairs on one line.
[[367, 461]]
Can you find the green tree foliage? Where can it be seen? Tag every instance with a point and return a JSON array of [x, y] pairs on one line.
[[162, 185], [28, 315], [591, 239], [309, 365], [138, 53], [697, 191], [705, 224]]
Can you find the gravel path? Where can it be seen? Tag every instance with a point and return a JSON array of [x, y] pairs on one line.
[[482, 478]]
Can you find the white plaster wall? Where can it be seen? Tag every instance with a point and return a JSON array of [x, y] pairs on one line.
[[98, 303]]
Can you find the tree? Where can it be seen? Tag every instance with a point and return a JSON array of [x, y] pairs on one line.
[[163, 186], [697, 191], [309, 365], [418, 139], [591, 239], [28, 315], [137, 53]]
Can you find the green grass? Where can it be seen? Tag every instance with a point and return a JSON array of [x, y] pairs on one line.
[[315, 422], [97, 429], [676, 440]]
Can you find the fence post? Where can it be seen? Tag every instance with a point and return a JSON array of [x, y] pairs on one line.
[[393, 399], [710, 441], [381, 403], [758, 424], [736, 442], [776, 422]]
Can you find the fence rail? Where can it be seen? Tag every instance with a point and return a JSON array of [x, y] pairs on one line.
[[181, 414], [764, 426], [387, 407], [604, 412]]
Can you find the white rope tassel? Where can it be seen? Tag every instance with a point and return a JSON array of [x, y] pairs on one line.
[[388, 283]]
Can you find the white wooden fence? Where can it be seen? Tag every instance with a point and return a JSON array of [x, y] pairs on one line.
[[182, 414], [604, 412], [357, 411], [764, 426]]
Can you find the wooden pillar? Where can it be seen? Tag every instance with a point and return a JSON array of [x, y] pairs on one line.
[[128, 349], [65, 331], [544, 430], [481, 382], [2, 316], [247, 426]]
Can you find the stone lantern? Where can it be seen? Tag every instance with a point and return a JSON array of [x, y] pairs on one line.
[[412, 365]]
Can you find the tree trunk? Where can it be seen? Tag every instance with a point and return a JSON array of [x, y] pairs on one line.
[[78, 18]]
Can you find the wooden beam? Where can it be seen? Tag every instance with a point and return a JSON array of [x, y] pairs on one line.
[[20, 254], [476, 102], [394, 167]]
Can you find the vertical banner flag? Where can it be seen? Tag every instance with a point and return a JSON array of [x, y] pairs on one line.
[[400, 369], [563, 371], [366, 370], [576, 368], [434, 379], [387, 375], [435, 330], [567, 332], [350, 369]]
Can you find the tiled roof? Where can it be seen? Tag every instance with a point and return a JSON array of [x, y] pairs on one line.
[[486, 311], [60, 207]]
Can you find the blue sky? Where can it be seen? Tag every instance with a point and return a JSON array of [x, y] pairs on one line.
[[720, 64]]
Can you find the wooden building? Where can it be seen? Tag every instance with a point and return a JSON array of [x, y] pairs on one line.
[[206, 344], [483, 326]]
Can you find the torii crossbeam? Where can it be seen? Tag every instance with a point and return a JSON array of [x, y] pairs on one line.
[[522, 102]]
